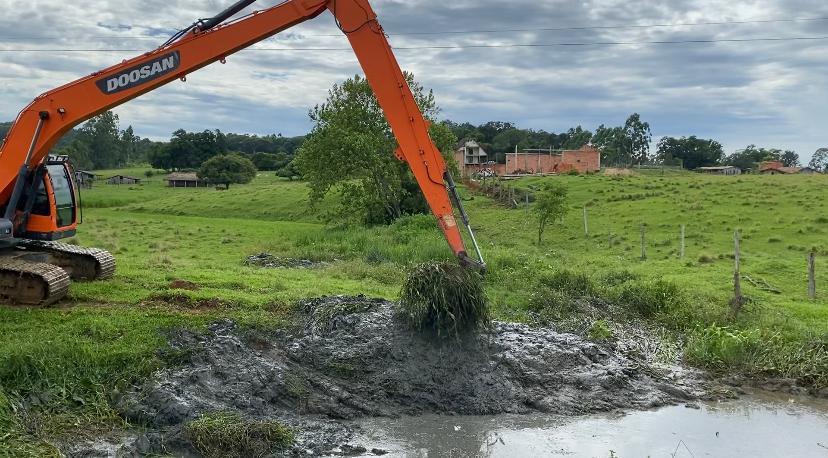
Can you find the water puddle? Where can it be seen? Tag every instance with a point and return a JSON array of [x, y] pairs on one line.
[[762, 424]]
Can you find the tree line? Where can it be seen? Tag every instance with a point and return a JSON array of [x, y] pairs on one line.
[[101, 144], [626, 145]]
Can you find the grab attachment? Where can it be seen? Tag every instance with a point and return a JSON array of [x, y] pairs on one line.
[[465, 260]]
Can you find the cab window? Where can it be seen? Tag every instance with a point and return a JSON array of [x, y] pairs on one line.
[[64, 194]]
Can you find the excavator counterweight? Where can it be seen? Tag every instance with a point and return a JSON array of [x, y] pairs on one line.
[[38, 193]]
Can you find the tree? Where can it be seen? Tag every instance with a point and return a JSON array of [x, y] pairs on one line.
[[102, 136], [693, 152], [576, 137], [289, 171], [790, 159], [624, 145], [270, 161], [637, 136], [129, 145], [749, 157], [610, 141], [819, 161], [227, 169], [550, 205], [351, 150]]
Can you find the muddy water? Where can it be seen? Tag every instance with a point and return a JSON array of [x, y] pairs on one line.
[[758, 425]]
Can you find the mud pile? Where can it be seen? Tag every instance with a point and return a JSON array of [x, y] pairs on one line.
[[367, 363]]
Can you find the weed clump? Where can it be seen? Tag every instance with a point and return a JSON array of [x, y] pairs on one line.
[[650, 298], [444, 298], [227, 434], [571, 283]]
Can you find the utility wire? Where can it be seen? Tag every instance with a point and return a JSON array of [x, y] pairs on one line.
[[514, 45], [462, 32]]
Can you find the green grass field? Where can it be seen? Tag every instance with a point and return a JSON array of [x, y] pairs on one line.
[[70, 358]]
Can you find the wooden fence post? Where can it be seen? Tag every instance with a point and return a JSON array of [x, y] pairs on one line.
[[681, 249], [812, 275], [586, 222], [738, 300], [643, 247]]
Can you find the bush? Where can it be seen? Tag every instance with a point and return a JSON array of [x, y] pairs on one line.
[[444, 298], [725, 349], [551, 305], [600, 331], [571, 283], [722, 348], [227, 434], [706, 259], [650, 298], [618, 277]]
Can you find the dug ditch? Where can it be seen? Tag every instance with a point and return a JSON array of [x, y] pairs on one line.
[[352, 360]]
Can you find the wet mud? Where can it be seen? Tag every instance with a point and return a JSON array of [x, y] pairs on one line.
[[269, 261], [351, 358]]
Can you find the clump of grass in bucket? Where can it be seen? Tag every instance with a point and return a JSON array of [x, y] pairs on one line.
[[444, 298]]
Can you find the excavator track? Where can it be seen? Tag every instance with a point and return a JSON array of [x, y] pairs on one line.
[[32, 283], [79, 262]]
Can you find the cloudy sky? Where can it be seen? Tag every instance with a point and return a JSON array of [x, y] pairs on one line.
[[771, 93]]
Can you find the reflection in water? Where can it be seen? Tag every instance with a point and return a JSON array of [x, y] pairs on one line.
[[761, 425]]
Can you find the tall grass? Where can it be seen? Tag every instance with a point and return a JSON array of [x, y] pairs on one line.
[[444, 298], [227, 434]]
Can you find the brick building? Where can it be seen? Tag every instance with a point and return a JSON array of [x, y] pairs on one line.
[[586, 159]]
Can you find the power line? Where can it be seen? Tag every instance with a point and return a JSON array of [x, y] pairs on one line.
[[513, 45], [462, 32]]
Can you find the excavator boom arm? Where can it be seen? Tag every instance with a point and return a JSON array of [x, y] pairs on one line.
[[40, 125]]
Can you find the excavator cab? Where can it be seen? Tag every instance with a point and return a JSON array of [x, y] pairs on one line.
[[50, 207]]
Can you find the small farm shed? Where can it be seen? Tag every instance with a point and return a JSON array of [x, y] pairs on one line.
[[84, 179], [184, 180], [721, 170], [123, 179]]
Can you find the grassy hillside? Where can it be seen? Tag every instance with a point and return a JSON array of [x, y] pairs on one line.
[[108, 333]]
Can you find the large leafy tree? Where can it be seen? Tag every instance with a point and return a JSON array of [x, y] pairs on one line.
[[790, 159], [227, 169], [693, 152], [610, 141], [100, 144], [819, 161], [576, 137], [351, 150], [637, 135], [270, 161], [625, 144], [752, 155]]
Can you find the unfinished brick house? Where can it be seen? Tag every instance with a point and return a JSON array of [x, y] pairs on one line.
[[586, 159]]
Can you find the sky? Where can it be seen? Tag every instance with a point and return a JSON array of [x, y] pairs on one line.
[[770, 93]]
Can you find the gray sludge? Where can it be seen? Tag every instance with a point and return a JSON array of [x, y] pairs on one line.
[[369, 364]]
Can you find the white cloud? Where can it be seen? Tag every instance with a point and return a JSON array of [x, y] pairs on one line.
[[771, 94]]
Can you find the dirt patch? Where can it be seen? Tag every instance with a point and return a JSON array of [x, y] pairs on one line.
[[270, 261], [362, 360], [179, 300], [618, 172], [184, 284]]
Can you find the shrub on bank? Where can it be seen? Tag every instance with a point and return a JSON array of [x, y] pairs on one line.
[[726, 349], [649, 298]]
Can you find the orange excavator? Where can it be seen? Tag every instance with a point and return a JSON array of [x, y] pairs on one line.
[[38, 193]]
